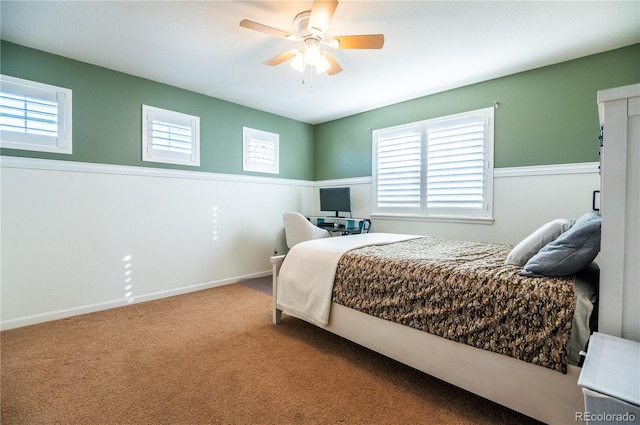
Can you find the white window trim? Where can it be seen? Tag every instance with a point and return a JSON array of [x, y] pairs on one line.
[[270, 141], [62, 143], [421, 212], [152, 154]]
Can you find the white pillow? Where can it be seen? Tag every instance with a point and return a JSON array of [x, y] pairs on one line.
[[530, 245]]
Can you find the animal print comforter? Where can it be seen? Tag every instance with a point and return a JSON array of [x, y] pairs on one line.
[[462, 291]]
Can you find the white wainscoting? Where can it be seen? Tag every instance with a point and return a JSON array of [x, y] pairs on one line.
[[80, 237]]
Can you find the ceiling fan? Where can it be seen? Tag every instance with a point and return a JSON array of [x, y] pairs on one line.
[[311, 29]]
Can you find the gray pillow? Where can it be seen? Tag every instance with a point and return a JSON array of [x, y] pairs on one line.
[[574, 250]]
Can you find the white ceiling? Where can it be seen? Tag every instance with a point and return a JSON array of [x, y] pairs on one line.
[[430, 46]]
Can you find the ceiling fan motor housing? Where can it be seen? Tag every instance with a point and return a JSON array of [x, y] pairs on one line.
[[301, 22]]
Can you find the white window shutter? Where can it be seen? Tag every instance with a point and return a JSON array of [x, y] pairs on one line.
[[35, 116], [455, 165], [398, 174], [170, 137], [441, 167], [260, 151], [22, 114]]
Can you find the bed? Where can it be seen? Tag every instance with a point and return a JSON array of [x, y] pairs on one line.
[[373, 289]]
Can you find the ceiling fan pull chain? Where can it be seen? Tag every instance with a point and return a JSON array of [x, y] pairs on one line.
[[310, 79]]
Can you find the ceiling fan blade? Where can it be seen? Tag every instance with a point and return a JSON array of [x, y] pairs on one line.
[[335, 66], [245, 23], [277, 60], [370, 41], [321, 14]]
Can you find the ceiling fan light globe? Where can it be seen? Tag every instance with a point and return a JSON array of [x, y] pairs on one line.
[[312, 52], [298, 62], [323, 64]]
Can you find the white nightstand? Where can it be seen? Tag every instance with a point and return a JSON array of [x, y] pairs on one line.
[[610, 381]]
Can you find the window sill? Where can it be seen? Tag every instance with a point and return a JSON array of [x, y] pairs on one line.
[[446, 219]]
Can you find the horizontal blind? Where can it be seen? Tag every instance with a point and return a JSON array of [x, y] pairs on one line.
[[398, 169], [455, 163], [260, 151], [24, 114], [171, 137], [35, 116], [440, 167]]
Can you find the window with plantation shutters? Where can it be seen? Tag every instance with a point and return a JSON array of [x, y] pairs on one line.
[[398, 169], [34, 116], [260, 151], [456, 165], [442, 167], [170, 137]]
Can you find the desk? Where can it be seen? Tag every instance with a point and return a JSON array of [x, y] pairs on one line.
[[342, 226]]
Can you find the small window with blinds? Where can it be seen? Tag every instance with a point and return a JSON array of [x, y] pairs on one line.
[[442, 167], [260, 151], [35, 116], [170, 137]]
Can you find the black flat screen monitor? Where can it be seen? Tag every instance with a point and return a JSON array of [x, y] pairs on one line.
[[336, 199]]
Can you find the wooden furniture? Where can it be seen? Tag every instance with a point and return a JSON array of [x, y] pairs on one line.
[[619, 310]]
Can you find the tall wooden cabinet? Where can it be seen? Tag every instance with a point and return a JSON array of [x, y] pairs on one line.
[[619, 309]]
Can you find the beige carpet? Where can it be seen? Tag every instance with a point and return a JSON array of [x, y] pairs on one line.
[[213, 357]]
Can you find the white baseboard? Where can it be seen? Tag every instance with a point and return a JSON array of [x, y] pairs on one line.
[[92, 308]]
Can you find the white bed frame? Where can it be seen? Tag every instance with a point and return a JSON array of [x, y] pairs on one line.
[[541, 393], [535, 391]]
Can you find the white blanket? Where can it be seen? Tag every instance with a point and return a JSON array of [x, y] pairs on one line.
[[305, 282]]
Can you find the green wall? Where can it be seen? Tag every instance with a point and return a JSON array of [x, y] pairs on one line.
[[107, 123], [546, 116]]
